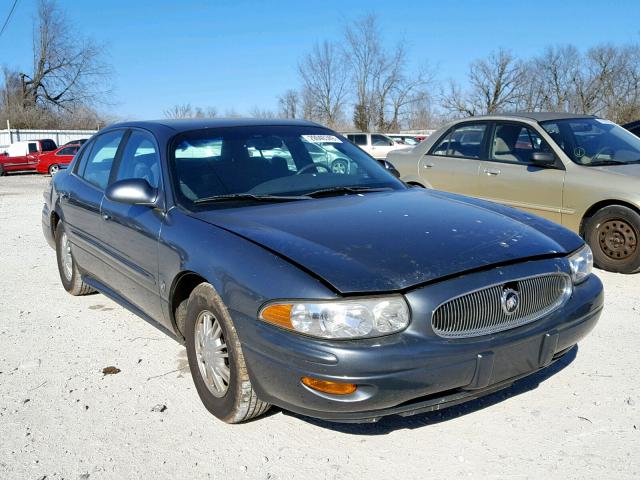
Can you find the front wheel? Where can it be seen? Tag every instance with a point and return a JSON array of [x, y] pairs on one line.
[[613, 234], [53, 169], [216, 361]]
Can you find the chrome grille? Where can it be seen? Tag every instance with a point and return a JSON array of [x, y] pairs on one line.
[[481, 312]]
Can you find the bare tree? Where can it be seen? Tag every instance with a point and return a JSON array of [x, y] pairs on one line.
[[68, 71], [495, 85], [257, 112], [177, 111], [288, 104], [324, 80], [363, 51]]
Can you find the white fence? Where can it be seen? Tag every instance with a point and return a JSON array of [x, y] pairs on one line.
[[7, 137]]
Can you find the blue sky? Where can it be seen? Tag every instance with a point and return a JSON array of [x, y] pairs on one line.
[[240, 54]]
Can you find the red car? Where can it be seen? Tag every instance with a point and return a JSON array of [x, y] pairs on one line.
[[50, 162], [23, 155]]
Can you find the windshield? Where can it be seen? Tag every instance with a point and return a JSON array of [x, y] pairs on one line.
[[245, 163], [593, 141]]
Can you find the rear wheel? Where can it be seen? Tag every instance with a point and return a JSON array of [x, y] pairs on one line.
[[613, 234], [53, 169], [216, 361], [69, 273]]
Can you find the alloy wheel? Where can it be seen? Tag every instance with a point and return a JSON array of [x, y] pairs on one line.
[[67, 259], [212, 354]]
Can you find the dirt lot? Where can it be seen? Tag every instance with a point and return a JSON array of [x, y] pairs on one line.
[[60, 417]]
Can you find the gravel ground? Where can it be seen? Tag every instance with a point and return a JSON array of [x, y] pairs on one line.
[[60, 417]]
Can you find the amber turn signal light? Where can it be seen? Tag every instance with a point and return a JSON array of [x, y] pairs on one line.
[[325, 386], [279, 314]]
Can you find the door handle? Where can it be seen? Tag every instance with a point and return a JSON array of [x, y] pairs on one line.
[[428, 165], [491, 171]]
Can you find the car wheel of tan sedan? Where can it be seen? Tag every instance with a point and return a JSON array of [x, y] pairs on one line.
[[613, 235]]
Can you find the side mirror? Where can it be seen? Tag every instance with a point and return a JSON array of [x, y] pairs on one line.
[[133, 191], [543, 158], [390, 168]]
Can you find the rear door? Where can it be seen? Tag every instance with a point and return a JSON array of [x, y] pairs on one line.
[[453, 163], [130, 232], [82, 198], [508, 175]]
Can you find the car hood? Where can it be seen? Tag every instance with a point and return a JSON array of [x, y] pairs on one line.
[[391, 241], [631, 170]]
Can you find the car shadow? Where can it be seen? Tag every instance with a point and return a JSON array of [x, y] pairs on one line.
[[396, 422]]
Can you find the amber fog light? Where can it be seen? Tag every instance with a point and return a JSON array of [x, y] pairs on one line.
[[325, 386]]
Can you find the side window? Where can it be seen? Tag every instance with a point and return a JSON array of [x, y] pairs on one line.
[[140, 159], [381, 141], [464, 141], [95, 167], [515, 143], [359, 139], [68, 151], [33, 148]]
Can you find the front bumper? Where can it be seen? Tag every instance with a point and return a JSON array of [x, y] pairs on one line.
[[415, 371]]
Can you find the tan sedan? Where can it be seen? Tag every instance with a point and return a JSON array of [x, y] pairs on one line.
[[580, 171]]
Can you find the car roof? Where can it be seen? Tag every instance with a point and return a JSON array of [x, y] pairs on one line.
[[535, 116], [188, 124]]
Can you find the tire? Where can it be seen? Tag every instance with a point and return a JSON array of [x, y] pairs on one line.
[[2, 171], [613, 234], [53, 169], [340, 166], [69, 273], [232, 401]]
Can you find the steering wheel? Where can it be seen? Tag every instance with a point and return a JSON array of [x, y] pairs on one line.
[[311, 165]]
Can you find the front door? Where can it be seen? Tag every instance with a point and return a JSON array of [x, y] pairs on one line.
[[131, 232], [453, 163], [81, 199], [381, 145], [510, 177]]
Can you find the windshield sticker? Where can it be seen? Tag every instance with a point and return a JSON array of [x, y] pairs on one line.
[[579, 152], [321, 138]]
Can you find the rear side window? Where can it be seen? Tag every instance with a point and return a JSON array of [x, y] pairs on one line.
[[96, 166], [464, 141], [359, 139], [33, 148], [68, 151], [140, 159]]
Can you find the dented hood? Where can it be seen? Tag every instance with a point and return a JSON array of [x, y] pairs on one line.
[[390, 241]]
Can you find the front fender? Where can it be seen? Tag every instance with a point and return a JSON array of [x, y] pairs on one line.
[[243, 273]]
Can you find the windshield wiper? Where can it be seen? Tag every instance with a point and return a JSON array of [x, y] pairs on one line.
[[250, 196], [608, 162], [327, 192]]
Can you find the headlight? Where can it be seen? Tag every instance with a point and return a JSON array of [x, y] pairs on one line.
[[581, 264], [340, 319]]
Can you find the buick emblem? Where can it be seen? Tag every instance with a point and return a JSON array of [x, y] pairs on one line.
[[510, 301]]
